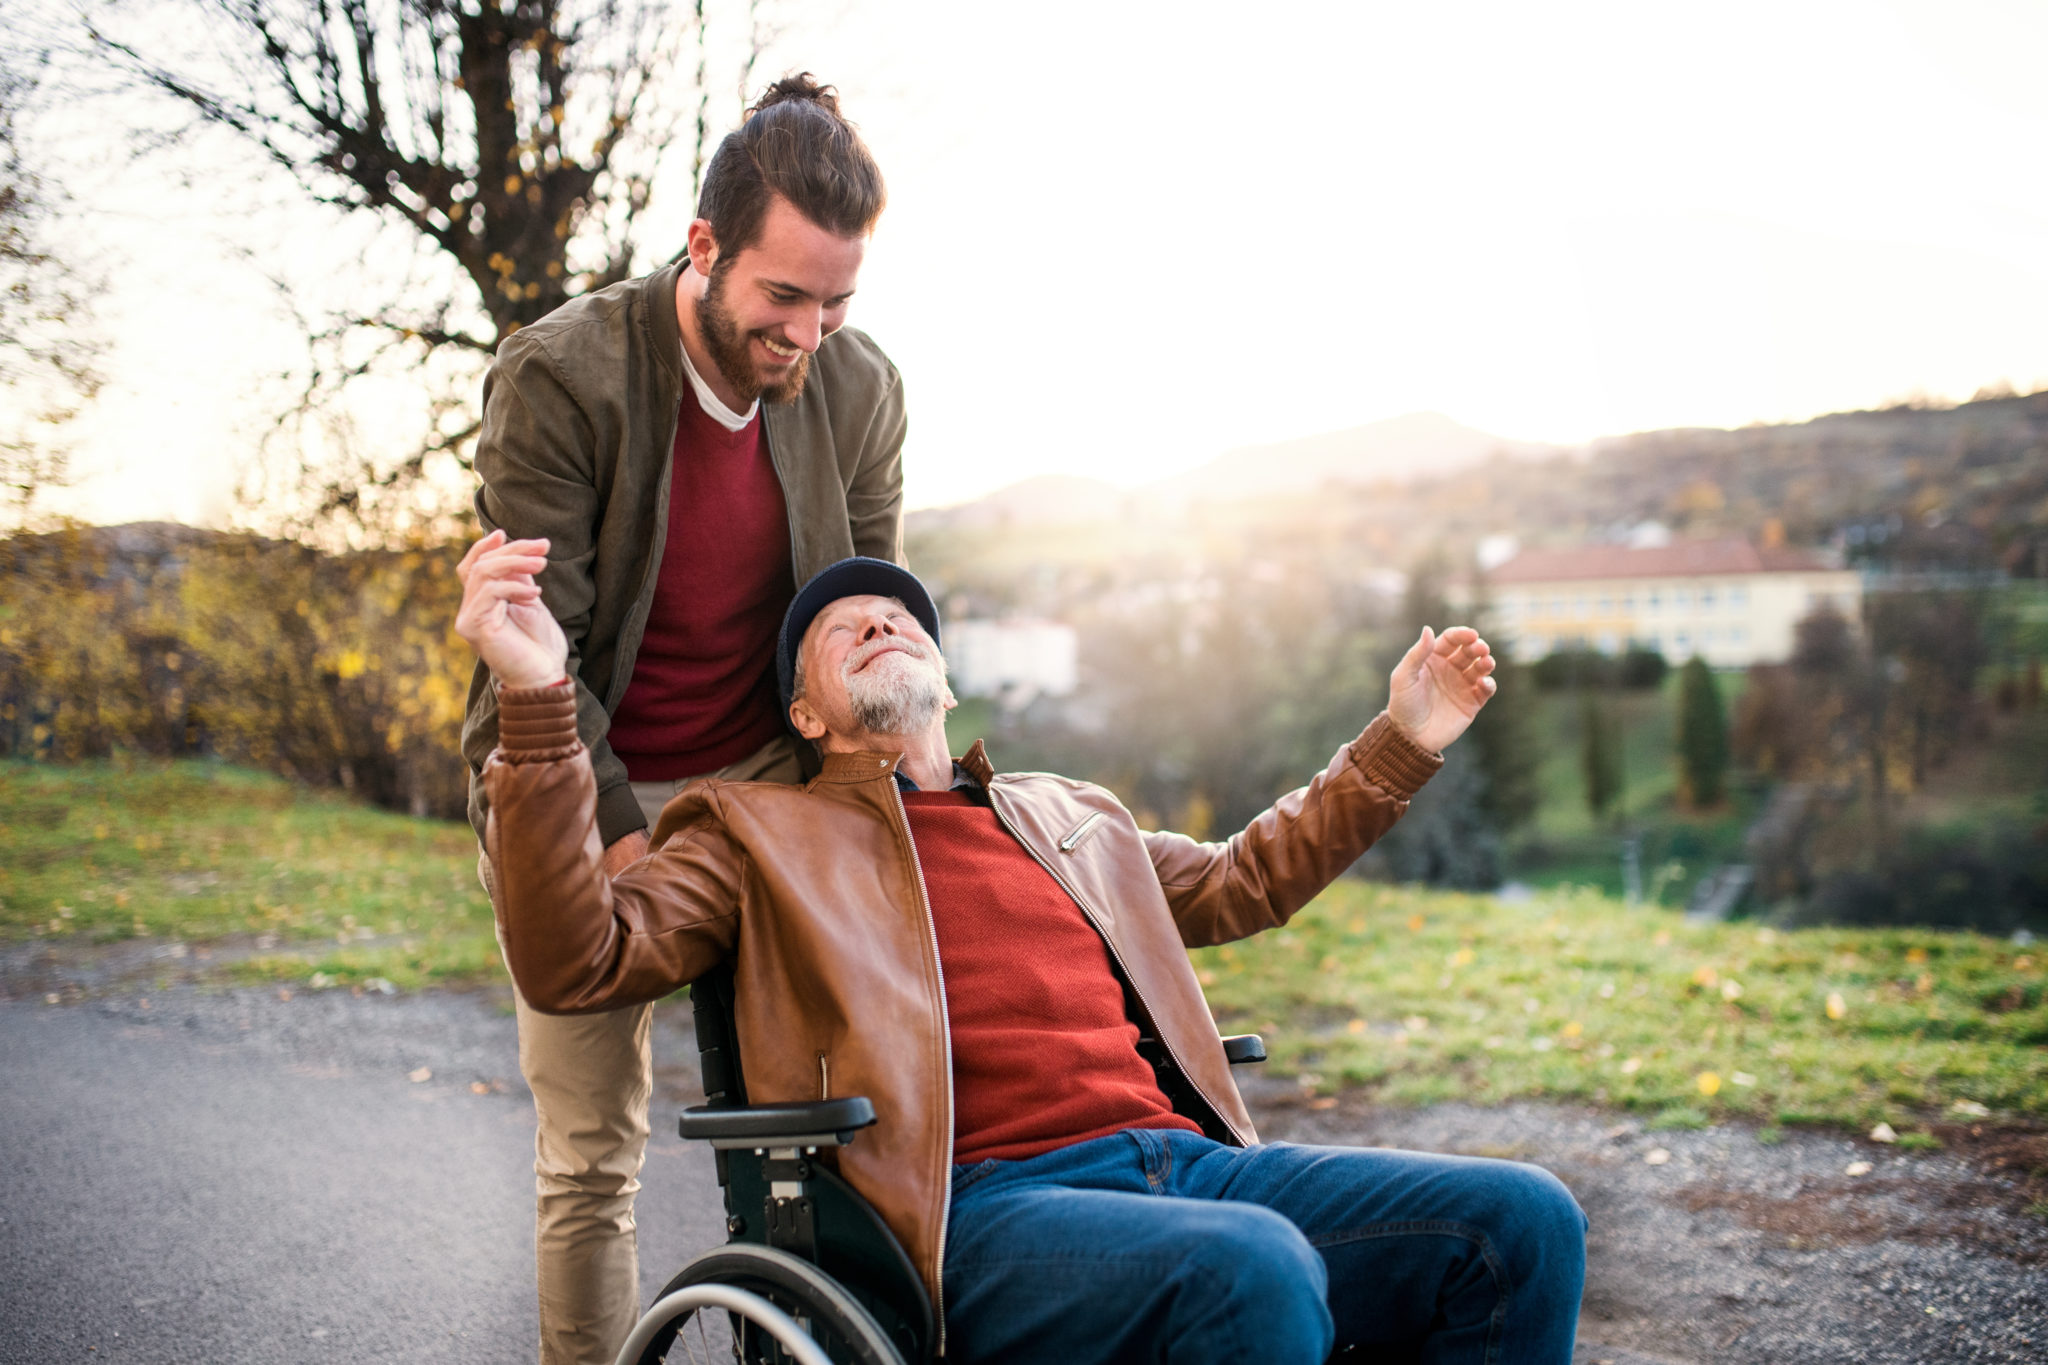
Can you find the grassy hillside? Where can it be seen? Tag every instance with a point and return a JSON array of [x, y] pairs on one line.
[[1421, 996]]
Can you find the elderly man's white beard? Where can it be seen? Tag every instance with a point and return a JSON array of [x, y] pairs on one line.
[[895, 698]]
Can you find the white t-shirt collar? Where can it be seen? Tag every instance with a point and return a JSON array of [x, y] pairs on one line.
[[710, 402]]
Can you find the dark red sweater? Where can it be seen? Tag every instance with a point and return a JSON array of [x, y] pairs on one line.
[[703, 689], [1043, 1055]]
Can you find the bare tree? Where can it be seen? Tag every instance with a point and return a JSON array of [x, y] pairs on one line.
[[49, 358], [516, 139]]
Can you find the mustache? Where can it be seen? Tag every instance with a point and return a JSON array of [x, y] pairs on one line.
[[861, 657]]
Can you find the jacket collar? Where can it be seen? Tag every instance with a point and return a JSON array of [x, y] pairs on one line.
[[666, 327], [863, 767]]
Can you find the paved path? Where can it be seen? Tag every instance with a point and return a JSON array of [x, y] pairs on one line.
[[237, 1178], [225, 1177]]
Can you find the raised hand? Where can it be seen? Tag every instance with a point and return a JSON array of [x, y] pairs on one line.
[[502, 615], [1439, 685]]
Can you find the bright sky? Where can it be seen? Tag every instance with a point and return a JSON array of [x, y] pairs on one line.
[[1124, 237]]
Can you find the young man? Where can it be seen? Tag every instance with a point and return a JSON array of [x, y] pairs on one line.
[[974, 952], [693, 445]]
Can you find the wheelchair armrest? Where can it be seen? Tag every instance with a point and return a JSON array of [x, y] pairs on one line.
[[815, 1123], [1242, 1049]]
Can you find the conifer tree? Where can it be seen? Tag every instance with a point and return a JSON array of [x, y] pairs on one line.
[[1702, 735]]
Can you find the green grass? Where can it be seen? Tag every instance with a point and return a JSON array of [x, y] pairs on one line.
[[1425, 996], [1419, 996], [210, 855]]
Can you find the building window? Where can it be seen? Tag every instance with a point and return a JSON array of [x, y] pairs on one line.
[[1681, 598], [1706, 599], [1557, 606], [1606, 605], [1656, 600], [1739, 634], [1738, 597], [1628, 601], [1581, 604]]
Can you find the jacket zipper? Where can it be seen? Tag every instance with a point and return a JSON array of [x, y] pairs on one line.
[[946, 1038], [1108, 942], [796, 567], [824, 1078], [1081, 831]]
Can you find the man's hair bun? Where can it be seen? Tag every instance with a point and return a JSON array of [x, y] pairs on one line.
[[800, 86]]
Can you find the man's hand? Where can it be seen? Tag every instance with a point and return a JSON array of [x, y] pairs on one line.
[[502, 616], [1439, 685], [624, 851]]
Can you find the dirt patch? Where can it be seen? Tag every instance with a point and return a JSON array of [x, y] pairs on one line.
[[1863, 1211]]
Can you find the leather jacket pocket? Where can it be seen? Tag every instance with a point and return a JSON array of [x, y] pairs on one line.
[[1082, 831]]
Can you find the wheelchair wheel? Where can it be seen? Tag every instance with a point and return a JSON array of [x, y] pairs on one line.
[[778, 1309]]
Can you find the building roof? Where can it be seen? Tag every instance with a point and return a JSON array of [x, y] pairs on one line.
[[1680, 559]]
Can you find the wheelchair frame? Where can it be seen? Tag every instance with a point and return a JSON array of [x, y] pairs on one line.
[[819, 1243]]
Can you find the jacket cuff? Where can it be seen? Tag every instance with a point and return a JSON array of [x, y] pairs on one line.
[[537, 724], [1391, 761]]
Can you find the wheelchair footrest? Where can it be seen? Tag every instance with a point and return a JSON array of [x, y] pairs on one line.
[[814, 1123]]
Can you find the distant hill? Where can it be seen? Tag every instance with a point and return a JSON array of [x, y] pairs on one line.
[[1421, 445]]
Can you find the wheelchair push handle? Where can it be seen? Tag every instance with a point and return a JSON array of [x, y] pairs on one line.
[[1243, 1049]]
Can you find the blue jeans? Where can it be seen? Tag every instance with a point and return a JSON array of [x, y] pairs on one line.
[[1154, 1245]]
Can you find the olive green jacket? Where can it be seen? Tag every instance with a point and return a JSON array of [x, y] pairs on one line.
[[579, 424]]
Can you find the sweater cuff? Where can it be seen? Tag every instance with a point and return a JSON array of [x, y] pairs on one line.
[[1391, 761], [537, 724]]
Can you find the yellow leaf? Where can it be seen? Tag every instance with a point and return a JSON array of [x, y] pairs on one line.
[[1462, 958], [1837, 1007], [1574, 1029], [1709, 1083], [1705, 976], [1355, 1026], [1916, 955], [1415, 924]]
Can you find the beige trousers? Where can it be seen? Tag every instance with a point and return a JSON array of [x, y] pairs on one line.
[[592, 1076]]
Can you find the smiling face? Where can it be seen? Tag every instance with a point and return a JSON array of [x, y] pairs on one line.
[[866, 672], [766, 308]]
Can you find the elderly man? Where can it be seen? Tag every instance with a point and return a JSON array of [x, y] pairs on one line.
[[975, 952]]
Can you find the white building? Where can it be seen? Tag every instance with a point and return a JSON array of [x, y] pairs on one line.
[[1014, 660], [1728, 600]]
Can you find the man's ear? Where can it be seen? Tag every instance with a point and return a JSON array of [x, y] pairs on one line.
[[703, 247], [951, 700], [806, 720]]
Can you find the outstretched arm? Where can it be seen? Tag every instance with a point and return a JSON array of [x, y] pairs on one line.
[[1259, 877], [575, 939]]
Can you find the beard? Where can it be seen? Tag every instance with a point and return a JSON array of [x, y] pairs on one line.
[[895, 698], [732, 352]]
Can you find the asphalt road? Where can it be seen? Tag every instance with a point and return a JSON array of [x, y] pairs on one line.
[[213, 1178], [221, 1177]]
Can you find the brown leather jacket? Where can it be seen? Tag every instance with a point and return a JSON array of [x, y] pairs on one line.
[[814, 893]]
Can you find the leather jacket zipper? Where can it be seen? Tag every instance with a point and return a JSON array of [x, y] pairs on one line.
[[924, 899], [824, 1078], [1082, 831]]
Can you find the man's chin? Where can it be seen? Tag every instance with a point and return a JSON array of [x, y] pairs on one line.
[[786, 383]]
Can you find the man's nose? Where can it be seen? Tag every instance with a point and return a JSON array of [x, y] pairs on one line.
[[806, 330], [876, 625]]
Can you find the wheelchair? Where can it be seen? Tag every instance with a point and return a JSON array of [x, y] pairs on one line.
[[810, 1274]]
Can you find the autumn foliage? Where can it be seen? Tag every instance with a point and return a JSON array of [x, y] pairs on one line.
[[337, 670]]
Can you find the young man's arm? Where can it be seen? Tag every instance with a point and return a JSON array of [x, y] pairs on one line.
[[1280, 861], [537, 460], [874, 499]]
